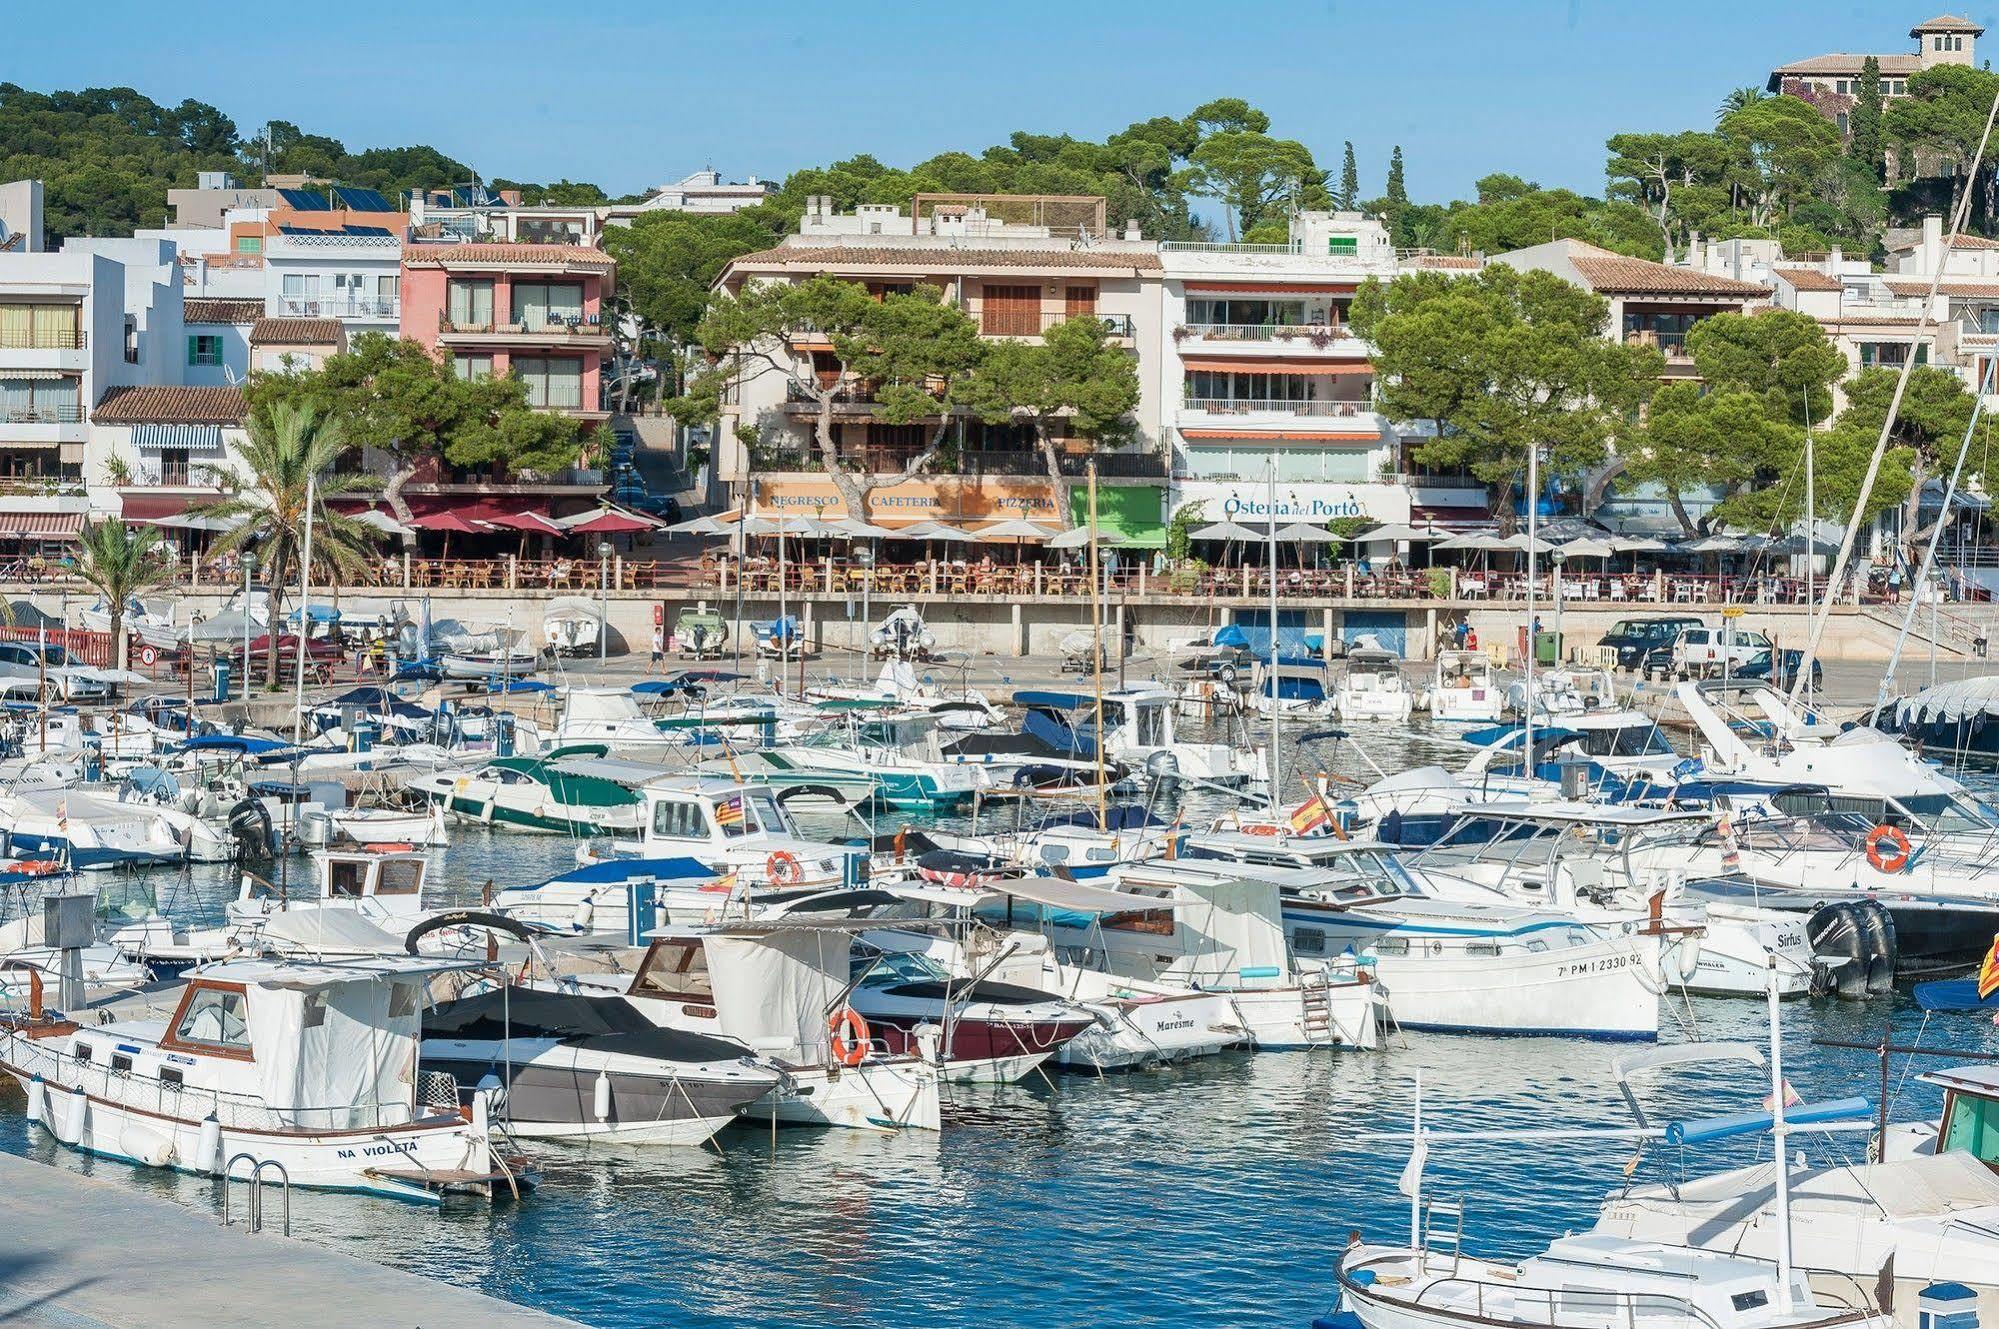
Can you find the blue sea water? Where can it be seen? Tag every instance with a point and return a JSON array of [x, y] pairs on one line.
[[1215, 1194]]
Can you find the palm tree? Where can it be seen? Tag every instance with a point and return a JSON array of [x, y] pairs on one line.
[[118, 565], [1736, 100], [289, 447]]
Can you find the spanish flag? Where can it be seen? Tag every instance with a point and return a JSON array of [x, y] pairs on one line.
[[1310, 815], [1988, 973]]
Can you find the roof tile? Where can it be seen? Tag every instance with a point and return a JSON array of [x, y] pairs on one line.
[[1963, 289], [171, 406], [1615, 273], [495, 253], [1808, 279], [296, 331], [221, 311], [946, 257], [1845, 62]]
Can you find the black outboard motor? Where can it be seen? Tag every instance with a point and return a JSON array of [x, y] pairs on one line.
[[256, 838], [1862, 934]]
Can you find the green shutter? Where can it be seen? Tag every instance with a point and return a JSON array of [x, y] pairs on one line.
[[1343, 244]]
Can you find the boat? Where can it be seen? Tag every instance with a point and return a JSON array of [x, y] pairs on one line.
[[700, 633], [1291, 687], [902, 635], [1464, 689], [1373, 687], [612, 718], [898, 750], [556, 793], [572, 625], [90, 830], [1139, 729], [308, 1069], [423, 827]]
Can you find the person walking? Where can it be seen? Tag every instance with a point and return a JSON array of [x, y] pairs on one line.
[[658, 645]]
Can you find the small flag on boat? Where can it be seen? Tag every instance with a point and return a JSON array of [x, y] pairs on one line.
[[1309, 816], [1411, 1180], [729, 811], [1988, 973], [1791, 1098]]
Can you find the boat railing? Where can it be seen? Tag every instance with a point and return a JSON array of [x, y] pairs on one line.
[[1577, 1307], [63, 1072]]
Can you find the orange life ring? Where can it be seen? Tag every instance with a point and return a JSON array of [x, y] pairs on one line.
[[782, 869], [1894, 861], [388, 847], [149, 655], [38, 867], [1259, 828], [851, 1039]]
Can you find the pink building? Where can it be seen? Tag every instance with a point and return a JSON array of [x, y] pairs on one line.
[[534, 311]]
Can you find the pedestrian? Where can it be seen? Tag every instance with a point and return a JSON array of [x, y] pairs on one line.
[[658, 644]]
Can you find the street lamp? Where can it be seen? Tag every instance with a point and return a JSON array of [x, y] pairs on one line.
[[249, 570], [604, 599]]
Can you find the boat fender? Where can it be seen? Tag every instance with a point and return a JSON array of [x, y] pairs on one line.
[[929, 1041], [586, 911], [1686, 957], [38, 1100], [851, 1037], [1877, 928], [208, 1146], [600, 1097], [75, 1119], [146, 1146]]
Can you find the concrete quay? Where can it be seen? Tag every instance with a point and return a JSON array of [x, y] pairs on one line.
[[89, 1254]]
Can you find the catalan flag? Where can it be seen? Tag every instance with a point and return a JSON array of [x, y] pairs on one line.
[[729, 811], [1988, 973], [1309, 816]]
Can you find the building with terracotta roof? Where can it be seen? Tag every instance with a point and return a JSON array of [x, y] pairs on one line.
[[291, 345], [169, 447], [1832, 82]]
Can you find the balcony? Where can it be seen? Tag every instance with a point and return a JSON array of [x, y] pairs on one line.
[[44, 339], [384, 309], [545, 330], [1118, 327], [66, 413], [1283, 408]]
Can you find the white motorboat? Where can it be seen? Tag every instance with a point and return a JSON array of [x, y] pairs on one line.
[[567, 794], [613, 718], [1373, 686], [90, 830], [1464, 689], [422, 828], [308, 1068], [572, 625], [1290, 689]]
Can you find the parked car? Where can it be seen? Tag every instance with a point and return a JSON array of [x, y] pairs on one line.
[[24, 665], [1758, 666], [1701, 651], [1637, 638]]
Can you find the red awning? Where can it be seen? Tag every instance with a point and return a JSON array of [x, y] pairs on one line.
[[1274, 287], [611, 522], [40, 525], [1266, 365], [152, 507]]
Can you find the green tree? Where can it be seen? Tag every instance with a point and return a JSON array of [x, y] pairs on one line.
[[1785, 147], [1349, 195], [1228, 115], [1779, 355], [290, 452], [1075, 375], [394, 396], [1663, 174], [1398, 185], [1936, 410], [1694, 437], [1940, 123], [667, 261], [1512, 213], [916, 351], [1249, 172], [118, 564], [1736, 100], [1866, 132], [1500, 361]]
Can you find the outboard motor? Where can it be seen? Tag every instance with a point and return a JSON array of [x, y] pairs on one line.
[[256, 838], [1862, 935]]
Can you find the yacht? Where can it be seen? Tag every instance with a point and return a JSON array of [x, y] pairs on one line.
[[561, 793], [1464, 689], [1373, 687]]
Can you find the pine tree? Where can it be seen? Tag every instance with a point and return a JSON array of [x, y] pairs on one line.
[[1349, 195], [1398, 189], [1865, 141]]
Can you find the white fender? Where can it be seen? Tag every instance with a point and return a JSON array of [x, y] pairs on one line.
[[38, 1109], [208, 1148], [75, 1119], [145, 1145], [600, 1097]]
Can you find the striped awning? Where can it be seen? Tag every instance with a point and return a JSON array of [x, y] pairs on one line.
[[39, 375], [1267, 365], [40, 525], [194, 438], [1278, 287]]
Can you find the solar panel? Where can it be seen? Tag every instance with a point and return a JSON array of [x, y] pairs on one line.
[[362, 200], [304, 200], [365, 230]]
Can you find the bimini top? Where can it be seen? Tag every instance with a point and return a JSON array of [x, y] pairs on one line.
[[314, 975]]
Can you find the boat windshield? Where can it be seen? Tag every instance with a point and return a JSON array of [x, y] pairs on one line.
[[773, 818], [1632, 740], [1838, 831], [1949, 813], [1368, 874], [894, 967]]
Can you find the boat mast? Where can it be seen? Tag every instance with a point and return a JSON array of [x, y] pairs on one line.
[[304, 611], [1276, 720], [1097, 648], [1811, 519], [1527, 705], [1779, 1133]]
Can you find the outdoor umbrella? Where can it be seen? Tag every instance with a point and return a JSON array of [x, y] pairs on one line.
[[608, 521], [855, 529], [446, 520], [781, 526], [373, 517], [931, 530], [1637, 544], [1793, 545], [1399, 531], [1076, 537], [703, 526], [1014, 528], [1519, 543], [1227, 530], [194, 521], [1302, 532], [528, 523], [1588, 548], [1713, 544], [1471, 542]]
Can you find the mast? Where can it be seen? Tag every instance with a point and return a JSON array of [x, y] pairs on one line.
[[1779, 1133], [1527, 705], [1097, 649], [1276, 721], [304, 611], [1811, 516]]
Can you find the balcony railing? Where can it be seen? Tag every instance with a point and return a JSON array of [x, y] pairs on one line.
[[1317, 334], [66, 413], [548, 325], [1005, 325], [44, 339], [314, 306], [1275, 406]]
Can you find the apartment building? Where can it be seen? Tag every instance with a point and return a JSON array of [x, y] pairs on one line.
[[1016, 265], [702, 191], [170, 447], [463, 214], [1264, 380], [1832, 82]]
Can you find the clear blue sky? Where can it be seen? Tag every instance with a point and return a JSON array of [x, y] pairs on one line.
[[631, 94]]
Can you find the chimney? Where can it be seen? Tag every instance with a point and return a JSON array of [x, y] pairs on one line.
[[1835, 260], [1932, 241], [1131, 229]]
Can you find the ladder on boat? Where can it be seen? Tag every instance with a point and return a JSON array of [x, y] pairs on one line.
[[1443, 1235], [1315, 996], [256, 1180]]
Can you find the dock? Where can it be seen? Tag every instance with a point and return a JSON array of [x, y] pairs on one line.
[[89, 1254]]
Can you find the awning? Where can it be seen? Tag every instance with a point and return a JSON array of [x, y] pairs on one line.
[[152, 507], [1128, 516], [608, 521], [1273, 288], [1267, 365], [446, 519], [1280, 435], [532, 522], [40, 525]]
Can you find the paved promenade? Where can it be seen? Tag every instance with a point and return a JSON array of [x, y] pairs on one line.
[[88, 1254]]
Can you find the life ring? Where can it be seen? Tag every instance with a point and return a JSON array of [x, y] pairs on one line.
[[38, 867], [389, 847], [782, 869], [1259, 828], [149, 655], [1893, 861], [851, 1039]]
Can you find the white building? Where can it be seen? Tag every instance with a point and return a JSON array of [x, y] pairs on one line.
[[703, 191]]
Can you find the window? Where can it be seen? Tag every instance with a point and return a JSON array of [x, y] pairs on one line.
[[402, 1000], [1972, 1124], [555, 383], [214, 1017], [204, 348], [82, 1051], [168, 1075], [400, 876], [1010, 311], [472, 368], [389, 287], [345, 878], [301, 284], [1309, 941], [733, 815], [249, 244], [543, 304], [469, 305], [1346, 246], [1754, 1299], [131, 340], [1079, 302], [40, 401], [42, 327], [679, 821], [1153, 922], [676, 969], [174, 467]]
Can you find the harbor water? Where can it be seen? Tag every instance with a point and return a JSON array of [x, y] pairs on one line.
[[1213, 1194]]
